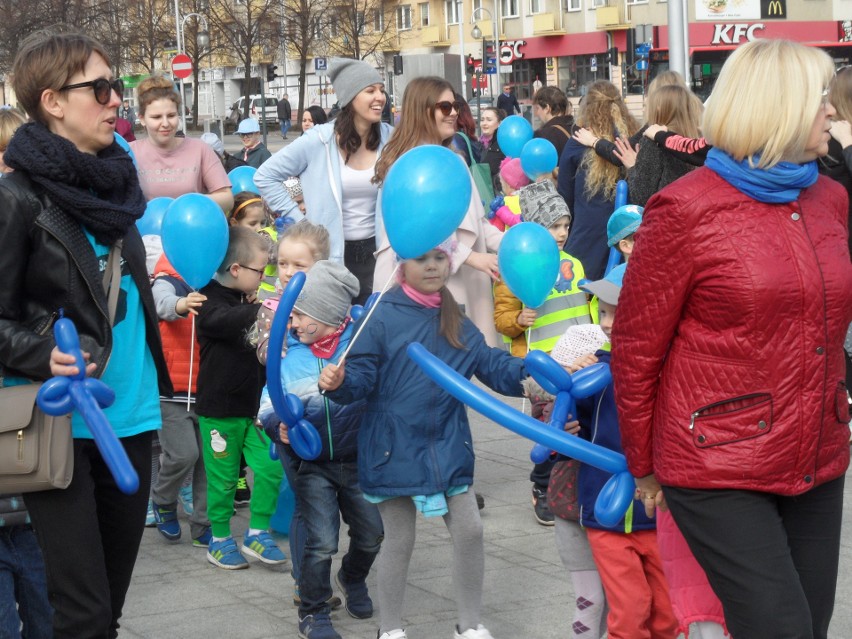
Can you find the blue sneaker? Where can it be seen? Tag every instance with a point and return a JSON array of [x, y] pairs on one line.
[[262, 546], [203, 540], [185, 499], [358, 602], [150, 521], [225, 555], [317, 626], [167, 522]]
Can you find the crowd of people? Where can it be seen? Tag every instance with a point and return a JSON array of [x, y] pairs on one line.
[[730, 379]]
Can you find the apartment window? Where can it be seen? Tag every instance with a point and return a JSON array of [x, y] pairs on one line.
[[572, 5], [378, 20], [509, 8], [475, 6], [594, 4], [403, 17], [637, 1], [452, 9], [424, 14], [536, 6], [359, 20], [333, 29]]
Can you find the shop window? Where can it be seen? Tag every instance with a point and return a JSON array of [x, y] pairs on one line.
[[451, 8], [424, 14], [403, 17], [509, 8]]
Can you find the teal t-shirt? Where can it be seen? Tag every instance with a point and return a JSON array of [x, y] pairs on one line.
[[130, 371]]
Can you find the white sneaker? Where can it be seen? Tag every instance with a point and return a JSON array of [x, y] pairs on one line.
[[481, 632], [399, 633]]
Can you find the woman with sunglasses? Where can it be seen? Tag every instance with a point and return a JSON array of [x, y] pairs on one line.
[[335, 163], [429, 116], [73, 196], [171, 166]]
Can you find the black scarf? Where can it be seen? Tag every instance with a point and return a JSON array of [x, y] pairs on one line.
[[100, 191]]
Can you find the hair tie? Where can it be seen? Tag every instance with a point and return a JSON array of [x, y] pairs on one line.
[[244, 205]]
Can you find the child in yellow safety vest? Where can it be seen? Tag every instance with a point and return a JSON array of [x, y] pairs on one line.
[[525, 329]]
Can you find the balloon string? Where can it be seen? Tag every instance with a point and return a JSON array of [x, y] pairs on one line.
[[191, 358], [524, 400], [369, 313]]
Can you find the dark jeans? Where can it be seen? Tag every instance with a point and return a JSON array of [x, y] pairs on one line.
[[772, 560], [324, 492], [298, 532], [89, 535], [359, 259], [23, 589], [540, 475]]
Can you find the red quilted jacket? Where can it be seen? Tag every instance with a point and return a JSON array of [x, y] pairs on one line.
[[727, 344]]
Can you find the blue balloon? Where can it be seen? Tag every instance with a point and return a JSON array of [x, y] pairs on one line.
[[512, 134], [617, 494], [195, 237], [538, 157], [620, 193], [425, 197], [124, 145], [304, 438], [529, 262], [242, 179], [151, 223], [86, 395]]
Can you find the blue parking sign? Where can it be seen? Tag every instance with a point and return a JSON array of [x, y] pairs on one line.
[[320, 64]]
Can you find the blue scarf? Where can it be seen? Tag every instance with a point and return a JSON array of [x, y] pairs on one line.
[[778, 185]]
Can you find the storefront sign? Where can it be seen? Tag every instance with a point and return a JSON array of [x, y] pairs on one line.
[[740, 10], [735, 33], [510, 50]]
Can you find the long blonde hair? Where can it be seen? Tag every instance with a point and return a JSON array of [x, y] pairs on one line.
[[604, 113], [676, 108], [416, 124]]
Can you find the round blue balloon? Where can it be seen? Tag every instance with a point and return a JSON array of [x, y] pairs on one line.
[[538, 157], [242, 179], [425, 196], [529, 262], [124, 145], [513, 133], [195, 237], [151, 223]]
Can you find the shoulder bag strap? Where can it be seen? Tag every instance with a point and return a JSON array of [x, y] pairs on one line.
[[469, 148], [112, 279]]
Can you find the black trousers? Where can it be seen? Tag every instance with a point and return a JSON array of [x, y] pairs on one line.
[[771, 560], [359, 259], [89, 535]]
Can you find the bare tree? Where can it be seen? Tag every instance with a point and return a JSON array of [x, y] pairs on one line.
[[305, 22], [249, 30], [361, 28], [152, 26]]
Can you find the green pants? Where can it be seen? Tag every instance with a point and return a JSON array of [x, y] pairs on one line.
[[225, 439]]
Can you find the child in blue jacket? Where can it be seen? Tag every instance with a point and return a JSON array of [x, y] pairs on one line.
[[626, 555], [415, 450], [327, 486]]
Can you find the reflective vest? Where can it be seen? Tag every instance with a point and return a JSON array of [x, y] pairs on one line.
[[268, 284], [566, 306]]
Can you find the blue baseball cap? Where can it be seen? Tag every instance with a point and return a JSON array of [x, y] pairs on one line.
[[607, 289], [249, 125], [623, 222]]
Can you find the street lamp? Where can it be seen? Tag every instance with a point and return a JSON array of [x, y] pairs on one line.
[[477, 34], [202, 39]]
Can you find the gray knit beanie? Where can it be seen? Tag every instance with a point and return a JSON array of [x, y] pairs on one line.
[[349, 77], [328, 292], [540, 203]]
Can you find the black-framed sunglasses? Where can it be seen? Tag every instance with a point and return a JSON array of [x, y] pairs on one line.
[[102, 87], [447, 107]]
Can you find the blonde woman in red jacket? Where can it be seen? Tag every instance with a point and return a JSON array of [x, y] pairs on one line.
[[727, 358]]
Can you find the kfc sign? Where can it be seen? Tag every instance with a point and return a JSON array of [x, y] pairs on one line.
[[735, 33], [510, 50]]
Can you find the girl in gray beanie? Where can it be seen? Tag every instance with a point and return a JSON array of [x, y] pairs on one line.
[[336, 162]]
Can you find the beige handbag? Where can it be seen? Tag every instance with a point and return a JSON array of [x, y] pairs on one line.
[[36, 449]]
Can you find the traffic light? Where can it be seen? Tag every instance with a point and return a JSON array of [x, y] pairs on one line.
[[270, 73], [397, 64], [612, 56], [490, 61], [470, 64]]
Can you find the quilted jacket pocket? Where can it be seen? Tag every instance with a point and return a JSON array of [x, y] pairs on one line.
[[732, 420], [841, 404]]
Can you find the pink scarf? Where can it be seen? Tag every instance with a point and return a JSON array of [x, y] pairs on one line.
[[429, 300]]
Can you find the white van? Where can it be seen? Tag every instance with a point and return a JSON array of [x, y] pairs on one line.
[[260, 109]]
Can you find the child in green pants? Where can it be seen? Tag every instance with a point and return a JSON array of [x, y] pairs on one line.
[[229, 384]]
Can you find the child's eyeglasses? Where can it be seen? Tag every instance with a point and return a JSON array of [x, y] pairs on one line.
[[447, 107], [102, 87], [258, 271]]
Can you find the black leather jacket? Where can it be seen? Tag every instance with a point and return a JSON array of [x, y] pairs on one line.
[[47, 263]]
